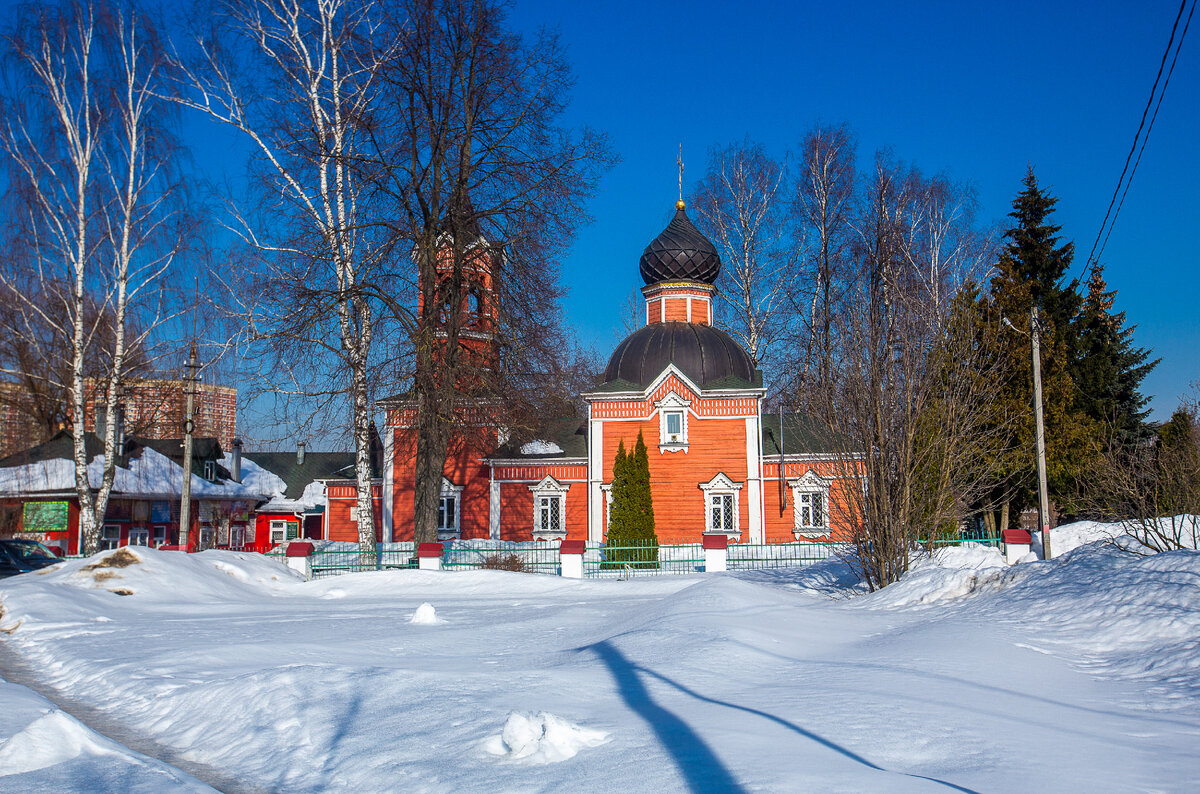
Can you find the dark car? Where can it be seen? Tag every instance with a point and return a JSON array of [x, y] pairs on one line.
[[21, 556]]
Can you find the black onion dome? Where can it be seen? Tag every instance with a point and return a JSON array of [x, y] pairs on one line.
[[703, 353], [680, 253]]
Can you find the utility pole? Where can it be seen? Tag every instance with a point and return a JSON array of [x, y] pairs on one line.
[[185, 507], [1043, 498]]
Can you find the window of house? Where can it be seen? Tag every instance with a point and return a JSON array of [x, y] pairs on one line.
[[284, 530], [672, 423], [447, 514], [237, 537], [720, 506], [810, 499], [721, 496], [549, 513], [139, 536], [160, 535], [449, 510], [210, 470], [206, 536], [110, 537], [549, 509], [810, 510]]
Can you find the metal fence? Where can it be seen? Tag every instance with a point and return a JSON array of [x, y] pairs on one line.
[[599, 560], [641, 559]]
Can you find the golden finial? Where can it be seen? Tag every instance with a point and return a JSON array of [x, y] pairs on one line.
[[680, 204]]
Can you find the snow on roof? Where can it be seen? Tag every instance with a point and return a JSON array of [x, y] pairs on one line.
[[148, 473], [540, 447]]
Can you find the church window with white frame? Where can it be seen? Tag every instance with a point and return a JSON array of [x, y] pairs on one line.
[[810, 505], [449, 510], [721, 506], [672, 423], [549, 509]]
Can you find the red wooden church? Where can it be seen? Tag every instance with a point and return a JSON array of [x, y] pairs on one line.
[[716, 460]]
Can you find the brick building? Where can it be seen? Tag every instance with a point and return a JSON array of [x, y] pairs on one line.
[[155, 408], [717, 464]]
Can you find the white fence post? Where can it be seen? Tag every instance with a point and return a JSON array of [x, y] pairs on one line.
[[298, 557], [716, 553], [570, 557], [429, 556], [1017, 543]]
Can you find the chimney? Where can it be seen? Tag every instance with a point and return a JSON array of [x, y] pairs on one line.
[[235, 467], [300, 454]]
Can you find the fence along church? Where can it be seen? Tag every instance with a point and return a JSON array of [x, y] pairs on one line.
[[717, 464]]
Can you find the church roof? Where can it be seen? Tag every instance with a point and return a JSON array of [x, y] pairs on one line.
[[706, 355], [680, 253], [802, 434]]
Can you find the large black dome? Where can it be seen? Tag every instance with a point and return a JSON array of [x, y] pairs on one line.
[[701, 352], [680, 253]]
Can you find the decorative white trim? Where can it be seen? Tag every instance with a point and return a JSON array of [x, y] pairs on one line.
[[673, 404], [450, 489], [808, 484], [722, 486], [671, 369], [549, 488], [389, 488]]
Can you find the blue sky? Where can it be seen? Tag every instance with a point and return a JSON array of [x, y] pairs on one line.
[[975, 90]]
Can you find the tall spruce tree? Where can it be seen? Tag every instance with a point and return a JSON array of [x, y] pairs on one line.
[[1032, 268], [631, 538], [1108, 370]]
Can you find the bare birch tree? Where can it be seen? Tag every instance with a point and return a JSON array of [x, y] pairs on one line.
[[909, 400], [79, 137], [825, 207], [740, 205], [300, 79]]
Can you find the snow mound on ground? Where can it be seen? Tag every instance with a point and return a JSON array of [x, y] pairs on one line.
[[1068, 537], [946, 575], [829, 578], [425, 615], [1132, 616], [157, 580], [542, 738], [44, 749]]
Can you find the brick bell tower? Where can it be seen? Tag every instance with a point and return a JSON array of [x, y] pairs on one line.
[[467, 285]]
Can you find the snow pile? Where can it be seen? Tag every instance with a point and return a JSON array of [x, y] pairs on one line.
[[541, 447], [44, 749], [542, 738], [1067, 537], [425, 615], [948, 574]]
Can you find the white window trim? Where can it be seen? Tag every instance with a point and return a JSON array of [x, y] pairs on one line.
[[450, 489], [722, 485], [140, 532], [104, 536], [810, 483], [550, 488], [673, 404], [210, 470]]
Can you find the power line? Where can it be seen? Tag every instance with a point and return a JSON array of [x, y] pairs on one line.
[[1138, 135], [1145, 138]]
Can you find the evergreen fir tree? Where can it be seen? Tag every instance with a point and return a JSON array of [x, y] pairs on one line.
[[631, 538], [1108, 370], [1031, 268], [642, 504]]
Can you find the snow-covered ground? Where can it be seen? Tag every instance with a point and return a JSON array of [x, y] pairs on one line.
[[1082, 673]]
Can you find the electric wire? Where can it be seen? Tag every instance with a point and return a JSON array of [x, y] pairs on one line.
[[1146, 137], [1133, 148]]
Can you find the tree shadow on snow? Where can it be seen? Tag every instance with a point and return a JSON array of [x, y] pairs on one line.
[[695, 760]]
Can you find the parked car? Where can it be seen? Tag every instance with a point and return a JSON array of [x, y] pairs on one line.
[[21, 556]]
